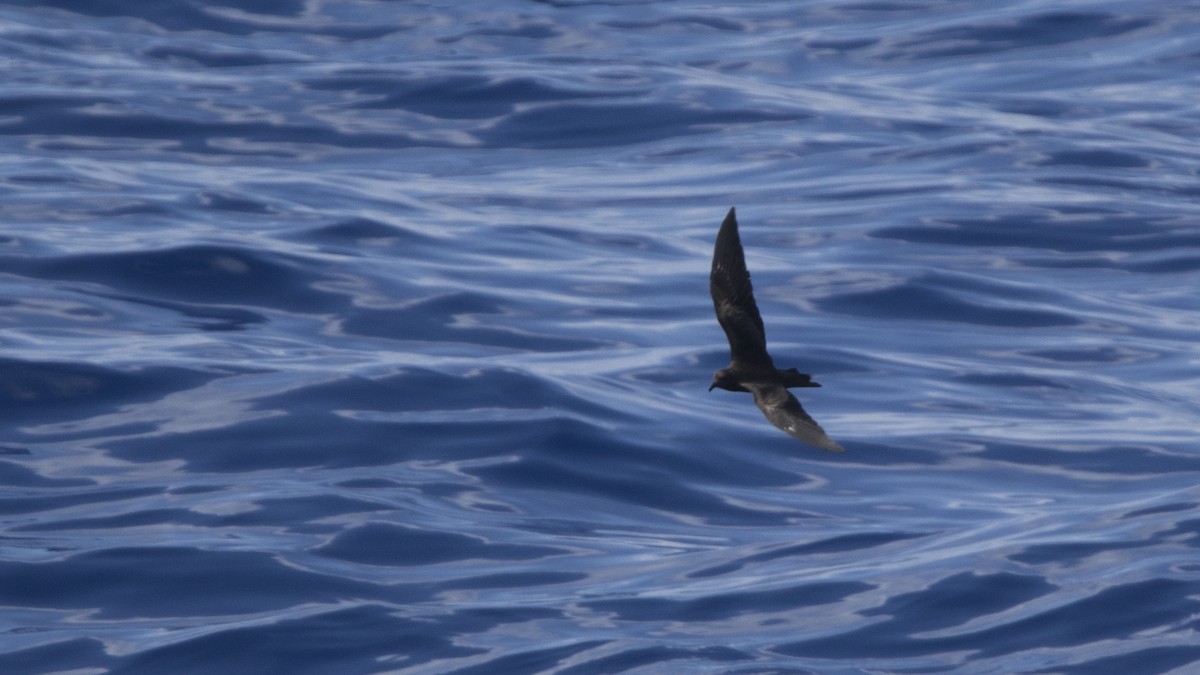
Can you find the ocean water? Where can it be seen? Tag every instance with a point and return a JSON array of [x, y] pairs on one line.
[[374, 337]]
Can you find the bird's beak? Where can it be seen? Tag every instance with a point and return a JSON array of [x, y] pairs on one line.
[[711, 387]]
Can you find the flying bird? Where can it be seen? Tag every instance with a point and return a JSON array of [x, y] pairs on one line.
[[750, 366]]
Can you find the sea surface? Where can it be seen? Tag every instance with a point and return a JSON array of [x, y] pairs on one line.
[[357, 336]]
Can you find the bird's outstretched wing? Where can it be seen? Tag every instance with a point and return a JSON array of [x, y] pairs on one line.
[[733, 298], [784, 411]]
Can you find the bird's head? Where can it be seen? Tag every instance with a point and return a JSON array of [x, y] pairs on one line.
[[723, 379]]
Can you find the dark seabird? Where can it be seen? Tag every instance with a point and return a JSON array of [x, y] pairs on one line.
[[750, 366]]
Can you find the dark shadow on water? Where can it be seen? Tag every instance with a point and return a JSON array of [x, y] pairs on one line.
[[1144, 606], [1095, 158], [392, 545], [44, 501], [725, 606], [40, 392], [200, 273], [449, 95], [215, 57], [16, 475], [123, 583], [1116, 460], [70, 123], [932, 298], [78, 655], [1151, 660], [632, 659], [358, 236], [357, 421], [1023, 32], [208, 318], [293, 514], [625, 483], [577, 125], [1064, 230], [545, 660], [185, 16], [512, 580], [440, 319], [838, 544], [362, 639]]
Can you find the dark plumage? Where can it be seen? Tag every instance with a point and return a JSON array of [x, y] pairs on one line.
[[750, 366]]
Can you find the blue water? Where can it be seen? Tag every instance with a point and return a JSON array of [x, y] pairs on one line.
[[365, 337]]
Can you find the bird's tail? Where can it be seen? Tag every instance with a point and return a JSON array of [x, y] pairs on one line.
[[795, 378]]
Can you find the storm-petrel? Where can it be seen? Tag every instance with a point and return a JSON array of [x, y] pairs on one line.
[[750, 366]]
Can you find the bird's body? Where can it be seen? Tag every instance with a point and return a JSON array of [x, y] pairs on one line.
[[751, 368]]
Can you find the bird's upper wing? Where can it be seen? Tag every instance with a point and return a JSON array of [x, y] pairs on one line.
[[733, 298], [785, 412]]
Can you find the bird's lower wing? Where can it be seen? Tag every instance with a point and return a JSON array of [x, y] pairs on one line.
[[783, 410]]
